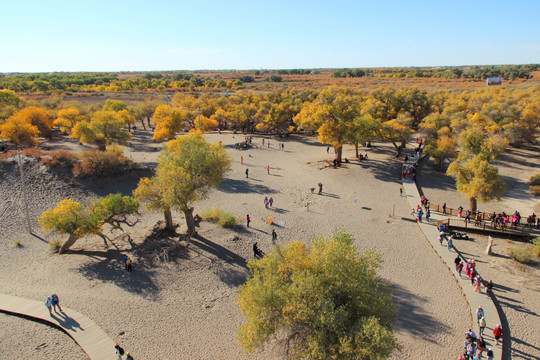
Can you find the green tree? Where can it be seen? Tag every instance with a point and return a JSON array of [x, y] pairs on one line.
[[73, 218], [188, 167], [328, 302], [477, 180], [103, 128]]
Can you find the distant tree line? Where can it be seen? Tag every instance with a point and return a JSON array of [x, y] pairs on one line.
[[507, 72]]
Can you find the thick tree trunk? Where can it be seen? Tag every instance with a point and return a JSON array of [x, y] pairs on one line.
[[190, 222], [143, 125], [72, 239], [356, 148], [168, 219], [148, 121], [338, 152], [472, 204]]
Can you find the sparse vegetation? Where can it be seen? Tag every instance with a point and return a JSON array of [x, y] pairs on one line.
[[536, 247], [17, 243], [522, 254], [62, 157], [535, 184], [222, 218], [55, 245], [101, 163]]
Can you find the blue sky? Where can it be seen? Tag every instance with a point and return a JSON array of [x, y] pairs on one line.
[[43, 36]]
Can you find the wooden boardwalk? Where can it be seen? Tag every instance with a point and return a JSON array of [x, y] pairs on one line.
[[90, 337], [474, 299], [522, 231]]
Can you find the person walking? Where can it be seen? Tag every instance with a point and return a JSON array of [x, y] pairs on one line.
[[270, 201], [479, 314], [489, 286], [119, 351], [460, 268], [327, 149], [129, 264], [124, 260], [400, 191], [48, 304], [419, 213], [480, 346], [241, 160], [247, 173], [320, 188], [55, 302], [428, 214], [248, 220], [477, 283], [128, 356], [444, 208], [457, 260], [274, 235], [481, 325], [498, 334], [489, 354], [450, 244], [268, 169], [266, 202]]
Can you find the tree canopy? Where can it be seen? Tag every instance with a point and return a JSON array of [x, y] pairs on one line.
[[188, 167], [328, 301]]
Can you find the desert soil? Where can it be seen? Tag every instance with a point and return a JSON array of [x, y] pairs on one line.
[[185, 308]]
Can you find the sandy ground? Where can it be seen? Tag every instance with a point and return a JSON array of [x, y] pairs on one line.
[[185, 309]]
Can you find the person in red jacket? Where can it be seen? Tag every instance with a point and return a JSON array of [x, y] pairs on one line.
[[498, 333]]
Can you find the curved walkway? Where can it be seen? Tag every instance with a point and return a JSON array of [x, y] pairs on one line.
[[90, 337], [474, 299]]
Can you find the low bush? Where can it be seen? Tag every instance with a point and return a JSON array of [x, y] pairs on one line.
[[62, 157], [222, 218], [212, 214], [55, 245], [536, 247], [535, 179], [522, 255], [534, 182], [535, 190], [101, 163], [227, 220]]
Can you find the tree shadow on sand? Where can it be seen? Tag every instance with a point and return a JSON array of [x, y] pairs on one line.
[[107, 266], [243, 187], [411, 317], [217, 250]]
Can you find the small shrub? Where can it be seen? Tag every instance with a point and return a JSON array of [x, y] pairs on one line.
[[535, 190], [32, 151], [222, 218], [227, 220], [212, 214], [535, 179], [101, 163], [55, 245], [62, 157], [522, 255], [17, 243], [536, 247]]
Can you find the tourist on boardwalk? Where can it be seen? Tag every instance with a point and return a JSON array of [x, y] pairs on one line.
[[477, 283], [119, 351], [444, 208], [248, 220], [128, 356], [459, 211], [481, 325], [480, 346], [498, 333], [247, 173], [48, 304], [55, 302], [489, 354], [450, 244], [457, 260], [468, 216], [274, 235], [479, 314], [489, 286], [428, 214], [419, 214], [460, 268]]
